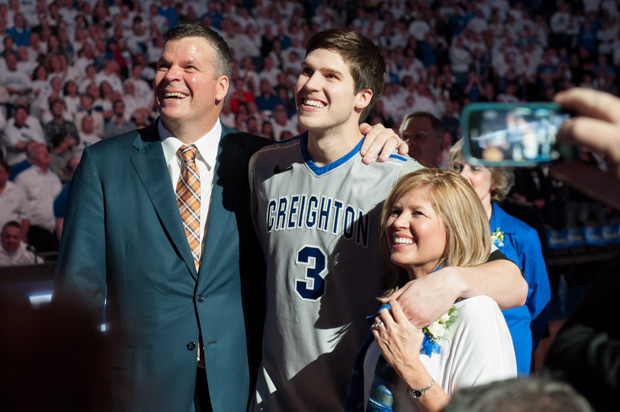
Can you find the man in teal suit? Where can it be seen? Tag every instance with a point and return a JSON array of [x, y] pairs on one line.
[[124, 241]]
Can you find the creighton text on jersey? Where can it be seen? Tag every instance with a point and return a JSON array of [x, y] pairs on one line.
[[318, 212]]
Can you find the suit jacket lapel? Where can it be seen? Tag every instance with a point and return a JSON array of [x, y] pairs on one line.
[[150, 165]]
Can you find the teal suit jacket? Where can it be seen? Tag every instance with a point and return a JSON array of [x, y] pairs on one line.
[[123, 241]]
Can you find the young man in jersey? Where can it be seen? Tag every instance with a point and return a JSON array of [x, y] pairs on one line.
[[316, 206]]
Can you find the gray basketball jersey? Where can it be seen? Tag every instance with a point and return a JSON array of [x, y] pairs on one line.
[[319, 228]]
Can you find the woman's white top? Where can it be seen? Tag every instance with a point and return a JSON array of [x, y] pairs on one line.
[[477, 349]]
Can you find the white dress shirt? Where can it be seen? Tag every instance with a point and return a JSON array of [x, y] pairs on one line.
[[22, 256], [13, 204], [41, 189], [206, 155]]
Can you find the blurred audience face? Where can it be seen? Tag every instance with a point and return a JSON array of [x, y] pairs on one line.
[[11, 62], [58, 108], [424, 146], [41, 157], [88, 125], [11, 238], [479, 177], [119, 108], [21, 115]]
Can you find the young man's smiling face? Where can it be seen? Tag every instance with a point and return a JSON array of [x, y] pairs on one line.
[[325, 93]]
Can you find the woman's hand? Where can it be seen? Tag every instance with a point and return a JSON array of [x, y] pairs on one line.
[[398, 340], [400, 344]]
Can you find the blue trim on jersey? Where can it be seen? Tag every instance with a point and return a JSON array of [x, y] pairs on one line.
[[319, 170], [404, 159]]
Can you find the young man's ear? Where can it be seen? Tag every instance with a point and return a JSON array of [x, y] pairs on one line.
[[363, 99]]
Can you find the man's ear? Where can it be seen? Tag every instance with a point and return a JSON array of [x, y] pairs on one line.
[[363, 99], [221, 87]]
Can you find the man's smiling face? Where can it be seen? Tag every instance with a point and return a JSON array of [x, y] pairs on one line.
[[325, 93], [187, 88]]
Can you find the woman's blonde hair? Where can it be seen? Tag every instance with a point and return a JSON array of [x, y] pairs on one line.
[[468, 241], [502, 178]]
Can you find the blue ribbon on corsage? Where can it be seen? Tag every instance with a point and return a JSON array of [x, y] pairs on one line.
[[371, 319], [429, 347]]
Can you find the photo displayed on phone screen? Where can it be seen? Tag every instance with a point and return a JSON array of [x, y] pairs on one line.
[[514, 134]]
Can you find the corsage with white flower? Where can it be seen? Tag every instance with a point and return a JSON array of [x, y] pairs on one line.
[[497, 237], [435, 331]]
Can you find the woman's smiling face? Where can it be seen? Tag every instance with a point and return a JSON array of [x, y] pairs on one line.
[[415, 234]]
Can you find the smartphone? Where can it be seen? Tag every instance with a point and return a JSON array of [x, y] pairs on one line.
[[506, 134]]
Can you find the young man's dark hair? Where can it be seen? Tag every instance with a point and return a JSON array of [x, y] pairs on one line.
[[223, 58], [362, 55]]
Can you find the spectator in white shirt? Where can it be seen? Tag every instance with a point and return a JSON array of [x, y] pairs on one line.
[[13, 202], [86, 108], [88, 135], [143, 90], [12, 250], [110, 74], [72, 98], [460, 59], [21, 129], [137, 41], [478, 23], [41, 186], [120, 122], [281, 123], [17, 83], [270, 72]]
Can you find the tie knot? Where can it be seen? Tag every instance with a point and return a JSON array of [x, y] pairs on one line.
[[187, 153]]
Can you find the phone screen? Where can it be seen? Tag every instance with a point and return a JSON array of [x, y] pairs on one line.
[[512, 134]]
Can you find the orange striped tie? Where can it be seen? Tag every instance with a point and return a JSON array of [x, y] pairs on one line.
[[188, 199]]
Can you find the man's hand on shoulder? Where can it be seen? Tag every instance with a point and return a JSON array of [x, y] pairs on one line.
[[380, 141]]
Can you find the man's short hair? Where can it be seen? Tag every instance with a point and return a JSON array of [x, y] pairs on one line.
[[436, 123], [31, 146], [361, 54], [23, 104], [533, 394], [224, 59], [21, 107], [11, 223], [33, 153], [56, 100]]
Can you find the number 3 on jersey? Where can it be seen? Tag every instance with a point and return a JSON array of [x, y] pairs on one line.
[[314, 260]]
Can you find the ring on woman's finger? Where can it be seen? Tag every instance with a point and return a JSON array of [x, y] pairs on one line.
[[377, 325]]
